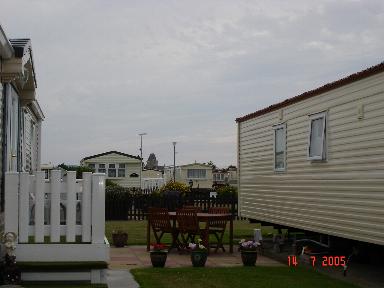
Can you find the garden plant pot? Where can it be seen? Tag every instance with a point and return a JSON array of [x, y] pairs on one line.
[[158, 258], [119, 239], [249, 258], [199, 258]]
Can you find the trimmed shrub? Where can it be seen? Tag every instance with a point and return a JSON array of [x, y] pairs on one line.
[[226, 191], [110, 183], [174, 186]]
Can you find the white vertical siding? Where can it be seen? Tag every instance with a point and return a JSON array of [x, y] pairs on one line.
[[342, 196], [12, 133]]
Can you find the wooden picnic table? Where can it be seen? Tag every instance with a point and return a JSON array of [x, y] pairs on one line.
[[202, 217]]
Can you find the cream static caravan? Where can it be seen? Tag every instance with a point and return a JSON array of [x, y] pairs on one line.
[[316, 161], [121, 168]]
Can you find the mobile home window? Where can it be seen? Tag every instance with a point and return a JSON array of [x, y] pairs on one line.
[[317, 137], [101, 168], [197, 173], [111, 170], [121, 171], [280, 147]]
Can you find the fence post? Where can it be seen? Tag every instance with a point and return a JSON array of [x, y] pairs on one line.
[[11, 212], [55, 187], [71, 206], [98, 208], [39, 206], [86, 207], [24, 208]]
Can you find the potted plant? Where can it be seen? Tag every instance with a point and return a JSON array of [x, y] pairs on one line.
[[199, 253], [158, 255], [119, 238], [248, 250]]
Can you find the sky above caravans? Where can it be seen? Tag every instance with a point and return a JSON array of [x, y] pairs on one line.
[[181, 70]]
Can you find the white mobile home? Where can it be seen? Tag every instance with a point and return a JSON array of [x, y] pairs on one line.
[[123, 169], [196, 175], [316, 161]]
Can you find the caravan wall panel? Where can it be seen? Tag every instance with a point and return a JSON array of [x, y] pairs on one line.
[[342, 196]]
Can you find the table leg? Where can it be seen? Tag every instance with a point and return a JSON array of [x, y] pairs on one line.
[[148, 235], [231, 235]]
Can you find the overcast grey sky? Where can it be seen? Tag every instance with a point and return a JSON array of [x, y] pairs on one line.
[[181, 70]]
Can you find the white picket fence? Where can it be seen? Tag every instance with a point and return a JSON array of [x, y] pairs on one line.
[[40, 210]]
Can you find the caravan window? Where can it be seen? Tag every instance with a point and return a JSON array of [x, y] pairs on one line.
[[111, 170], [121, 171], [101, 168], [280, 147], [317, 137], [196, 173]]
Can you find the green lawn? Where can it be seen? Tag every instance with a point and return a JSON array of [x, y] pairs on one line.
[[137, 231], [244, 277]]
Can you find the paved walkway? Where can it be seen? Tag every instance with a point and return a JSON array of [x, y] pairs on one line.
[[137, 256], [124, 259]]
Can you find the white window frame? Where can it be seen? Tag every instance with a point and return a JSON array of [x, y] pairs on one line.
[[277, 127], [323, 153]]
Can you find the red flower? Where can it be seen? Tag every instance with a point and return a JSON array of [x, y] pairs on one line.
[[159, 247]]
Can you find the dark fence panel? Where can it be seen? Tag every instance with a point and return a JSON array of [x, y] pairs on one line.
[[117, 204], [128, 204]]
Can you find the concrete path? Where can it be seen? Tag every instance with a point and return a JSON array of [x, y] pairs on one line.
[[120, 279]]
